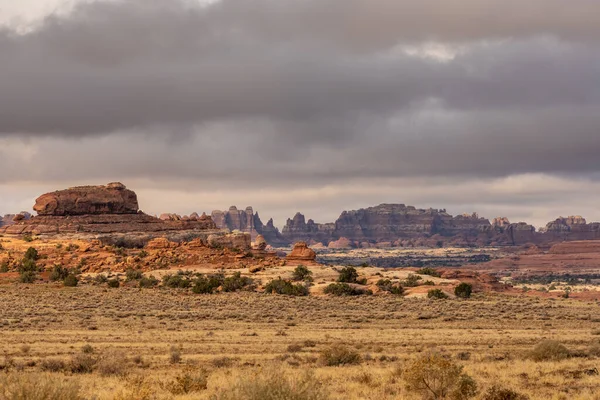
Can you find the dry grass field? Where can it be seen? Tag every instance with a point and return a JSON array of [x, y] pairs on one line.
[[92, 342]]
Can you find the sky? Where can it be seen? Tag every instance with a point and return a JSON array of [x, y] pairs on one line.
[[317, 106]]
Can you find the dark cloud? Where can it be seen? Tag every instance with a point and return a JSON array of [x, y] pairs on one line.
[[301, 95]]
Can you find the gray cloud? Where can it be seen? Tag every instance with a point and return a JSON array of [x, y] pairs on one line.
[[298, 96]]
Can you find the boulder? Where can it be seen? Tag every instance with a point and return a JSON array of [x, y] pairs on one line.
[[113, 198], [302, 253]]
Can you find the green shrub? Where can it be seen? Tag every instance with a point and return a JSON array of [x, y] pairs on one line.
[[27, 237], [52, 365], [281, 286], [72, 247], [31, 254], [83, 363], [412, 280], [113, 283], [437, 377], [59, 273], [549, 350], [100, 279], [343, 289], [463, 290], [348, 275], [71, 281], [436, 294], [429, 271], [301, 273], [387, 286], [148, 282], [27, 277], [176, 281], [497, 392], [4, 267], [236, 282], [207, 284], [273, 384], [133, 274], [339, 355]]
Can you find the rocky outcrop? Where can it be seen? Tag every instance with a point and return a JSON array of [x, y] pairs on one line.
[[113, 198], [11, 219], [302, 253], [247, 221], [298, 229]]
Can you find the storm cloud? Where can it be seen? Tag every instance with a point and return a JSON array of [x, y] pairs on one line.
[[382, 99]]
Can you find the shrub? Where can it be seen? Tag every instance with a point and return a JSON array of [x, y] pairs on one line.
[[412, 280], [113, 283], [343, 289], [434, 376], [112, 364], [463, 290], [148, 282], [82, 364], [27, 237], [387, 286], [72, 247], [31, 254], [87, 349], [236, 282], [301, 273], [59, 273], [27, 277], [348, 275], [176, 281], [175, 355], [549, 350], [188, 382], [133, 274], [37, 386], [429, 271], [207, 285], [52, 365], [71, 281], [436, 294], [273, 384], [281, 286], [339, 355], [100, 279], [4, 266], [499, 393]]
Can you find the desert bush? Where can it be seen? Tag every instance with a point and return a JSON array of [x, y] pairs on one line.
[[388, 286], [52, 365], [27, 238], [100, 279], [87, 349], [343, 289], [429, 271], [339, 355], [82, 364], [436, 294], [176, 281], [463, 290], [71, 281], [348, 275], [133, 274], [236, 282], [273, 384], [301, 273], [27, 276], [281, 286], [175, 355], [4, 267], [72, 247], [31, 254], [549, 350], [437, 377], [112, 363], [497, 392], [59, 273], [189, 382], [38, 387], [148, 282], [207, 284], [113, 283], [411, 280]]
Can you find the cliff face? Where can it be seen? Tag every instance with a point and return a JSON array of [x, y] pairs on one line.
[[249, 222], [400, 225]]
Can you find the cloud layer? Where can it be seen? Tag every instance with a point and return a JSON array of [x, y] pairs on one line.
[[288, 95]]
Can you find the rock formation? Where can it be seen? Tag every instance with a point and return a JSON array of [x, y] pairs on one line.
[[11, 219], [302, 253], [297, 229], [113, 198], [249, 222]]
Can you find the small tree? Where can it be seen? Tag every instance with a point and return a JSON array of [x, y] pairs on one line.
[[348, 275], [429, 271], [436, 294], [71, 281], [301, 273], [59, 273], [31, 254], [281, 286], [437, 377], [412, 280], [463, 290]]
